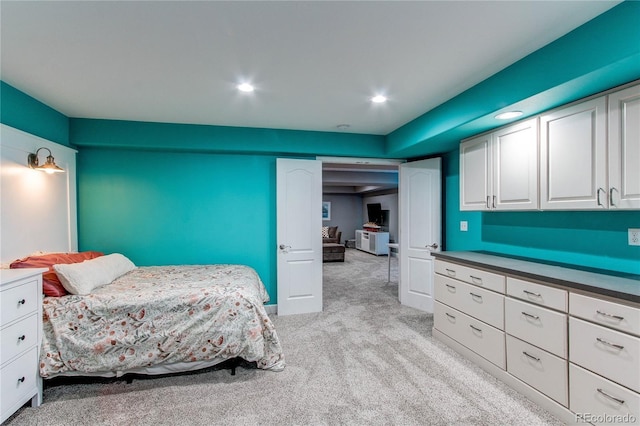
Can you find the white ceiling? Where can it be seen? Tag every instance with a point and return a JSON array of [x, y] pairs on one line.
[[314, 63]]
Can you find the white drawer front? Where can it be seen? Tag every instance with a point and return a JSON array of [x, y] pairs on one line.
[[487, 306], [614, 315], [481, 338], [18, 379], [485, 279], [607, 352], [539, 294], [599, 401], [18, 337], [19, 301], [539, 369], [539, 326]]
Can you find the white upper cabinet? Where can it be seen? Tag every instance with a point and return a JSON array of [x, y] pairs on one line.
[[499, 170], [624, 149], [573, 154]]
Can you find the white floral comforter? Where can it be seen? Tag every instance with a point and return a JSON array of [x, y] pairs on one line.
[[161, 315]]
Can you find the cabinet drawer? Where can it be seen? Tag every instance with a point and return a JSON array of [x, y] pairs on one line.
[[18, 337], [539, 294], [614, 315], [485, 279], [481, 338], [18, 379], [539, 369], [599, 401], [19, 301], [539, 326], [607, 352], [487, 306]]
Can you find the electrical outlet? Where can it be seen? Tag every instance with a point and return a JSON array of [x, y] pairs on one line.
[[464, 226], [634, 237]]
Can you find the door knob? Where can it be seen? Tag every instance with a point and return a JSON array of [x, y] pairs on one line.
[[283, 247], [432, 246]]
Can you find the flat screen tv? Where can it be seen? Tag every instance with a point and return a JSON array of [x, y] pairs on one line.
[[374, 213]]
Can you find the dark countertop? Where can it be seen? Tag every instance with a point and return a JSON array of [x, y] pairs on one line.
[[621, 286]]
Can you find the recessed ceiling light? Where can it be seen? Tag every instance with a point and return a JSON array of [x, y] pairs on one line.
[[245, 87], [379, 99], [509, 114]]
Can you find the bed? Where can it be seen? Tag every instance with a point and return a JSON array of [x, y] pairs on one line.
[[156, 320]]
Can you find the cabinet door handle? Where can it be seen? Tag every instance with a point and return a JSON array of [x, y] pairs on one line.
[[598, 196], [21, 338], [611, 196], [531, 293], [451, 286], [618, 400], [451, 272], [488, 205], [474, 279], [531, 356], [477, 296], [494, 202], [475, 328], [619, 318], [613, 345], [450, 316], [21, 302], [21, 379], [535, 317]]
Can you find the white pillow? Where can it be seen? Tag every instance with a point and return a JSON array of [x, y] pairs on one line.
[[82, 278]]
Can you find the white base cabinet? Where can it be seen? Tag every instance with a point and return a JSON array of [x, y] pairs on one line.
[[373, 242], [20, 331], [575, 354]]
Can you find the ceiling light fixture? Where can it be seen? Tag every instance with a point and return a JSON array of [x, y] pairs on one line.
[[509, 114], [49, 167], [245, 87], [379, 99]]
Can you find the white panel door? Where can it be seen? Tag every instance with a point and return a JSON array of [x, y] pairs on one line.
[[420, 230], [573, 153], [299, 236], [624, 149]]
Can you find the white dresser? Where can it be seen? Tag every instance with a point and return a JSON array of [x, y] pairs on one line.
[[20, 336], [571, 346]]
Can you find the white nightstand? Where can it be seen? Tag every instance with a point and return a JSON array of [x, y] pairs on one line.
[[20, 337]]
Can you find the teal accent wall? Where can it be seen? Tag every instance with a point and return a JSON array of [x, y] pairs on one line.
[[21, 111], [201, 138], [166, 208], [591, 239]]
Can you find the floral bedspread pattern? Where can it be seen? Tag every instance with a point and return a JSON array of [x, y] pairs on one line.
[[161, 315]]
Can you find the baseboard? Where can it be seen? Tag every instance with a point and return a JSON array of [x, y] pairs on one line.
[[561, 412], [271, 309]]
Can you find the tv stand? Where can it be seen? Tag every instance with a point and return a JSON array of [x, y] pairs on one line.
[[373, 242]]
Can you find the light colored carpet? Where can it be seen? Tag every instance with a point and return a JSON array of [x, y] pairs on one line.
[[365, 360]]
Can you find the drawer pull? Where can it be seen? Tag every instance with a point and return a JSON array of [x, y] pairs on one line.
[[535, 317], [449, 315], [451, 272], [22, 302], [22, 337], [477, 296], [618, 400], [531, 293], [531, 356], [475, 328], [451, 286], [478, 279], [21, 379], [619, 318], [613, 345]]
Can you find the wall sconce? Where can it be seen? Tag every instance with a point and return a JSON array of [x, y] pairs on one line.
[[49, 167]]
